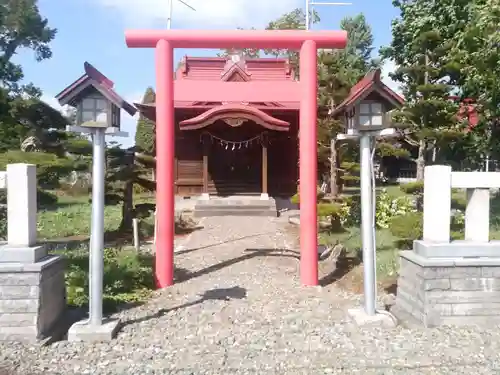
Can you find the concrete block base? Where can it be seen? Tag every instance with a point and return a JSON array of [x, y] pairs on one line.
[[22, 254], [457, 249], [32, 299], [362, 319], [448, 291], [81, 331]]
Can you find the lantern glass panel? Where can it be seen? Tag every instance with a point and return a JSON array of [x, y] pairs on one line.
[[102, 117], [364, 108], [376, 108], [376, 120], [88, 116], [101, 104], [364, 120], [88, 103]]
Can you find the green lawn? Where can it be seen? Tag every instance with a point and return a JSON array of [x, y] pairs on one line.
[[71, 217], [128, 275]]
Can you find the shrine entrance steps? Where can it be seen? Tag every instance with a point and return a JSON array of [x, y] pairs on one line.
[[235, 206]]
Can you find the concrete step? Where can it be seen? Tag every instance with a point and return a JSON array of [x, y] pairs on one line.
[[235, 212], [235, 207]]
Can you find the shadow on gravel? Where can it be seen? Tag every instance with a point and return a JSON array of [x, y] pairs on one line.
[[218, 294], [187, 251], [343, 267], [253, 253]]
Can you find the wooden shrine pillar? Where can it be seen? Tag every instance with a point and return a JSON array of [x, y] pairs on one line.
[[264, 142], [205, 145]]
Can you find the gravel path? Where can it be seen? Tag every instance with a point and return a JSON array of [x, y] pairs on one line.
[[238, 308]]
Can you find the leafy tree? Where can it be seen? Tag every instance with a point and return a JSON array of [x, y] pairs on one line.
[[22, 27], [22, 114], [475, 51], [422, 39], [246, 52], [294, 20]]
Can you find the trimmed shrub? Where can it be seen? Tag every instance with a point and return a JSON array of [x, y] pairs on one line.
[[389, 207], [407, 228], [332, 212], [296, 198], [412, 188], [49, 167], [44, 198]]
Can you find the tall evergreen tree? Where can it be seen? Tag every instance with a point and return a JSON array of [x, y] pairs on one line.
[[422, 38], [145, 139], [338, 71]]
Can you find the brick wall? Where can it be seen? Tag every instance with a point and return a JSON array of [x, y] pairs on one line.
[[32, 298], [455, 295]]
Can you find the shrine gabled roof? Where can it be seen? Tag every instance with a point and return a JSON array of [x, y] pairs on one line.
[[231, 110], [101, 83], [221, 68], [278, 95], [370, 82]]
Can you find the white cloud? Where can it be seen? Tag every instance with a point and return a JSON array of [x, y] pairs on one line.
[[208, 14], [390, 67]]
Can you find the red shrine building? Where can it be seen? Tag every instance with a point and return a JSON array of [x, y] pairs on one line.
[[236, 127]]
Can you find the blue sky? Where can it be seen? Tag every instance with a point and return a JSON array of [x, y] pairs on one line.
[[93, 30]]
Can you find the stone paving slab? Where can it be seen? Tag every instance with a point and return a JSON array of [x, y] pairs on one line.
[[239, 309]]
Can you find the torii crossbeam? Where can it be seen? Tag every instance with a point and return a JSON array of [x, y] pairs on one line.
[[164, 41]]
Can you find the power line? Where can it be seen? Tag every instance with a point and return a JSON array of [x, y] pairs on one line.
[[171, 8], [309, 3]]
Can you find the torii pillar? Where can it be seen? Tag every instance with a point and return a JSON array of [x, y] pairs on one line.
[[164, 41]]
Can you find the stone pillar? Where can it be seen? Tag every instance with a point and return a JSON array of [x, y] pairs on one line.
[[437, 203], [443, 282], [477, 215], [21, 204]]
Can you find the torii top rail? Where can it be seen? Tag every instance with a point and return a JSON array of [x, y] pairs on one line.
[[262, 39], [164, 41]]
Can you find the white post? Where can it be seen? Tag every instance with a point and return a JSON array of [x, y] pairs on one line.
[[170, 9], [135, 223], [308, 22], [437, 203], [367, 226], [21, 205], [477, 215]]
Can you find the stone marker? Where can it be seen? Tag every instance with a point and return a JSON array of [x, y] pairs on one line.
[[443, 282], [32, 287]]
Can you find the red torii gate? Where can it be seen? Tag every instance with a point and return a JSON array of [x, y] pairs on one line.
[[164, 41]]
